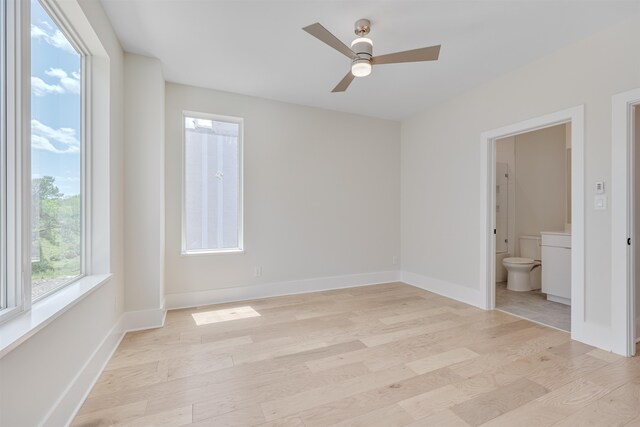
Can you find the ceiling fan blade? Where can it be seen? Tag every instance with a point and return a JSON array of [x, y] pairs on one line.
[[322, 34], [344, 83], [430, 53]]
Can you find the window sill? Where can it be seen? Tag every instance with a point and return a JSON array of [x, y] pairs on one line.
[[19, 329], [220, 252]]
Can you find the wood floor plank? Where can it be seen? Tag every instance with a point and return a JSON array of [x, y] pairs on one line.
[[553, 407], [173, 418], [442, 418], [247, 416], [292, 421], [111, 415], [388, 416], [219, 401], [381, 355], [306, 400], [441, 360], [492, 404], [362, 403], [616, 408]]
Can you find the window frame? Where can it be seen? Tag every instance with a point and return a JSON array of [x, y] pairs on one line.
[[220, 118], [16, 140], [16, 59], [3, 158]]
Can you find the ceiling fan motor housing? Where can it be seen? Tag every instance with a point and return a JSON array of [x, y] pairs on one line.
[[362, 46], [364, 51]]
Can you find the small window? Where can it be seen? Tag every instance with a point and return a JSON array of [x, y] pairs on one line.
[[212, 211], [56, 156]]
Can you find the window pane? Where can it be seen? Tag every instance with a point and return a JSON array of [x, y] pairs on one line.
[[55, 156], [212, 184]]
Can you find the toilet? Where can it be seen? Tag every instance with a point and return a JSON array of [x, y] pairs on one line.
[[524, 272]]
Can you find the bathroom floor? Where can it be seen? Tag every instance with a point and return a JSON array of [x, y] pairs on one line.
[[533, 305]]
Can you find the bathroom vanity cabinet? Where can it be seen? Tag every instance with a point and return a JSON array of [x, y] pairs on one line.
[[556, 266]]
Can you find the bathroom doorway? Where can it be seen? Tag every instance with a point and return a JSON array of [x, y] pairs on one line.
[[533, 218], [563, 307]]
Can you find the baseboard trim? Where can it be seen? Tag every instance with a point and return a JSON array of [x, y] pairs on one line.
[[65, 409], [69, 403], [144, 319], [446, 289], [274, 289]]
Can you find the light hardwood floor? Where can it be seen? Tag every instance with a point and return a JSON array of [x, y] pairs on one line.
[[385, 355]]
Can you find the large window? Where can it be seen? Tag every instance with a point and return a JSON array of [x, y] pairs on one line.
[[212, 213], [56, 156], [42, 154]]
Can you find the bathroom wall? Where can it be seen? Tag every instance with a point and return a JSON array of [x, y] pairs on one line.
[[539, 181], [537, 165], [505, 153]]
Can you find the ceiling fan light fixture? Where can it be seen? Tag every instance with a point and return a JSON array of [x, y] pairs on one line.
[[361, 52], [361, 67], [362, 40]]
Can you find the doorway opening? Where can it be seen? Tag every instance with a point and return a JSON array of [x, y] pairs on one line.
[[533, 225], [635, 254], [564, 242], [625, 216]]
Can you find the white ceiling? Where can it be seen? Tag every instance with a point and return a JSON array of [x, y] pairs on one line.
[[258, 48]]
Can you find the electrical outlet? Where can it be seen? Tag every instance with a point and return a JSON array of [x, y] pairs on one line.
[[258, 271]]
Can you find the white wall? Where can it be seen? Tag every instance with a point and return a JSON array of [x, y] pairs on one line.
[[44, 379], [321, 197], [144, 178], [539, 180], [441, 221]]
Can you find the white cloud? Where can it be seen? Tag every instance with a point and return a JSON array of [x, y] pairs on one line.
[[40, 88], [54, 37], [65, 83], [70, 83], [43, 138]]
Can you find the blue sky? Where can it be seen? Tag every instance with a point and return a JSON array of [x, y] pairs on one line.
[[55, 103]]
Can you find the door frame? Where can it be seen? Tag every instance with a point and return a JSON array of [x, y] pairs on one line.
[[622, 214], [575, 116]]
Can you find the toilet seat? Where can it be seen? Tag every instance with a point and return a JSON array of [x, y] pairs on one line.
[[520, 260]]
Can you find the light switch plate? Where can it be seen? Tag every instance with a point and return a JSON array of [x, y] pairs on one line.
[[600, 202], [600, 187]]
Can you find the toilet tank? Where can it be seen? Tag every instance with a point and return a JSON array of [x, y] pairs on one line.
[[530, 247]]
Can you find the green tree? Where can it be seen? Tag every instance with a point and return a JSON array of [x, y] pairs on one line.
[[45, 202], [56, 228]]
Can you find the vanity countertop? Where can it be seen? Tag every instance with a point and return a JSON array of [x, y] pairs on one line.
[[556, 233]]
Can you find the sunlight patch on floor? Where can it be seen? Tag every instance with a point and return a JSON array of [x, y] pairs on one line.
[[216, 316]]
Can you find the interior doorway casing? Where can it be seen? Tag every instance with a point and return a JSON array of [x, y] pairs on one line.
[[623, 315], [575, 116]]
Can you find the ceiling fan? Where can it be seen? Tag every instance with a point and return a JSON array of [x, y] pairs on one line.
[[361, 55]]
